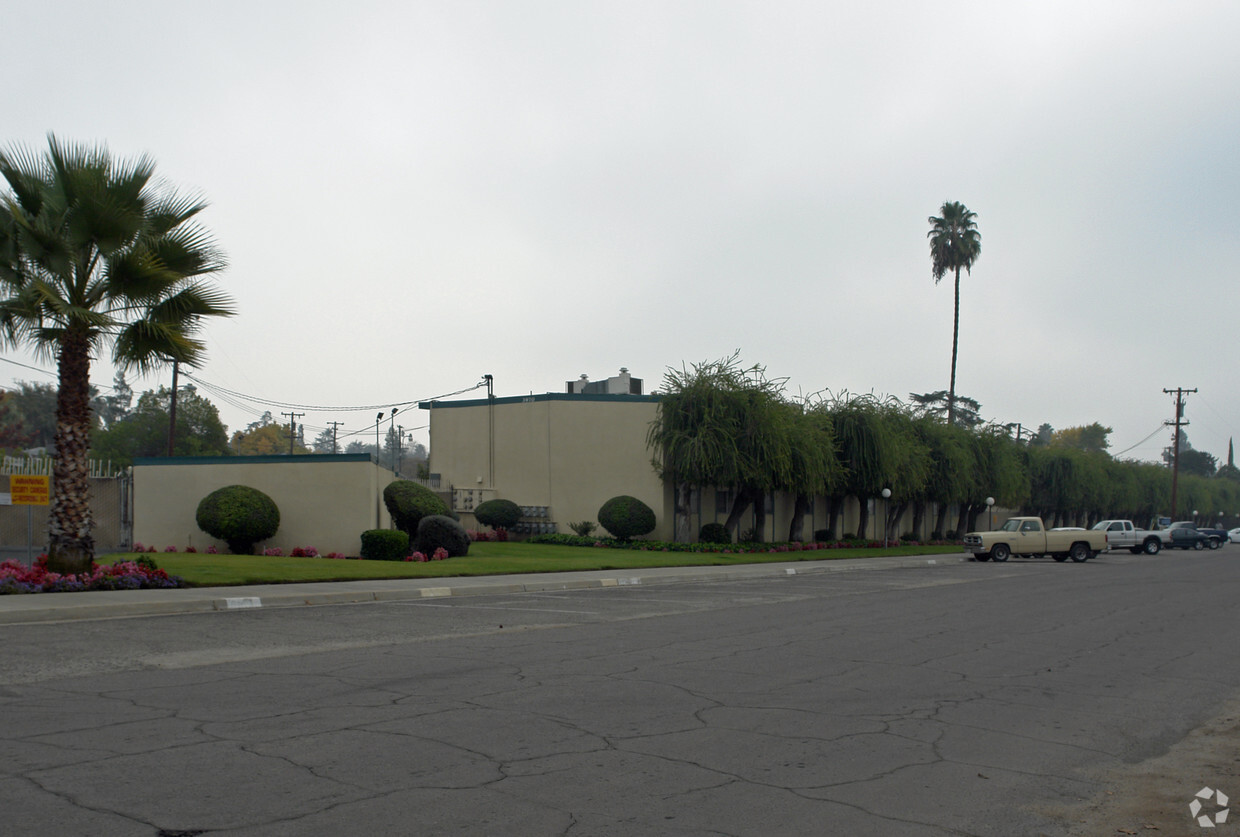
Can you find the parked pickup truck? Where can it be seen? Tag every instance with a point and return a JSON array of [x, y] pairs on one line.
[[1027, 536], [1122, 534]]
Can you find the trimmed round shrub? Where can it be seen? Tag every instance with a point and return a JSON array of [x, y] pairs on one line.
[[439, 530], [240, 516], [626, 517], [408, 502], [714, 533], [498, 514], [384, 545], [823, 535]]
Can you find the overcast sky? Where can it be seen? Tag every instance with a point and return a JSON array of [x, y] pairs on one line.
[[414, 194]]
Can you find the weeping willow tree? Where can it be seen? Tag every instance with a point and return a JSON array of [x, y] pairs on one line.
[[999, 472], [816, 468], [725, 426], [877, 449], [952, 462]]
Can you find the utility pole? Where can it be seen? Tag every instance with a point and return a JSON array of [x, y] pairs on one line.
[[392, 434], [1179, 422], [335, 424], [292, 429], [172, 407]]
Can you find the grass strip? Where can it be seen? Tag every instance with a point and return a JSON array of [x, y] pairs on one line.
[[485, 558]]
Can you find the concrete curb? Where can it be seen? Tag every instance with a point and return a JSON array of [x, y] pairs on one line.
[[61, 607]]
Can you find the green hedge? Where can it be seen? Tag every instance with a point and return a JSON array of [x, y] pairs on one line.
[[384, 545], [240, 516], [626, 517]]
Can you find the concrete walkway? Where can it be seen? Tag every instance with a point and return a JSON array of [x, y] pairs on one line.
[[105, 604]]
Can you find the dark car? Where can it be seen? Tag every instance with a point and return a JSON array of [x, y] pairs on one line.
[[1185, 535], [1217, 537]]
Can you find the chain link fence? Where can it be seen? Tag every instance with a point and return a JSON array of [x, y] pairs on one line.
[[23, 529]]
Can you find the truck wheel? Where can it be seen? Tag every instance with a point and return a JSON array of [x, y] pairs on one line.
[[1000, 552], [1152, 546], [1198, 546], [1080, 553], [1215, 543]]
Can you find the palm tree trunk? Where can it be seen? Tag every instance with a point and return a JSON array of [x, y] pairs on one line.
[[71, 547], [951, 393]]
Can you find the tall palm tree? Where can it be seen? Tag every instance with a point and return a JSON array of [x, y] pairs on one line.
[[94, 252], [954, 243]]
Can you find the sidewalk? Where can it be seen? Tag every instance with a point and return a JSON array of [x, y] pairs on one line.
[[107, 604]]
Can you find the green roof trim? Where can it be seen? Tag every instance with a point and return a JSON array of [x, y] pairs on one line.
[[265, 459], [546, 396]]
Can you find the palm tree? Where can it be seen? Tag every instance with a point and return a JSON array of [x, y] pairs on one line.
[[94, 252], [954, 243]]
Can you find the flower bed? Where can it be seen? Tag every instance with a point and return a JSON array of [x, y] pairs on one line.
[[123, 575]]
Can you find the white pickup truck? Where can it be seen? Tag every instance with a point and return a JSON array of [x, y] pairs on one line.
[[1122, 534], [1028, 536]]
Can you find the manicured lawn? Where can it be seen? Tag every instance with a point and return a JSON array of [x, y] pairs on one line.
[[485, 558]]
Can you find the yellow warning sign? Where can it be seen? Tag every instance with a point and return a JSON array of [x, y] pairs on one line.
[[30, 490]]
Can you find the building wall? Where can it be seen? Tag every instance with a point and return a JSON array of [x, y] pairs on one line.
[[570, 453], [325, 501], [573, 452]]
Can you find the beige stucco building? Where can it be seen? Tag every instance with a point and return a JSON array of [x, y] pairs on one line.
[[558, 455], [326, 501]]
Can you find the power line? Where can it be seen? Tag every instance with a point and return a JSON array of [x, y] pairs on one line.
[[220, 391], [1157, 430]]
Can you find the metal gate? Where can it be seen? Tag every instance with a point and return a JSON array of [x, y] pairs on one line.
[[23, 529]]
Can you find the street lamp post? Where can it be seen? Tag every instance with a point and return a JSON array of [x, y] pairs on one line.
[[886, 513], [990, 514], [378, 419]]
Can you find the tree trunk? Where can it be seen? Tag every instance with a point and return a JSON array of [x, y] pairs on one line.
[[834, 507], [951, 392], [743, 499], [974, 511], [71, 547], [940, 522], [962, 520], [863, 517], [894, 516], [684, 510], [759, 517], [796, 529], [919, 518]]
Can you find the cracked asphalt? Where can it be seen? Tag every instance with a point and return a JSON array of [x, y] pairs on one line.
[[954, 699]]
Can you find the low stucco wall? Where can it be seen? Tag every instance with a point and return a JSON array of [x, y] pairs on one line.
[[325, 501]]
